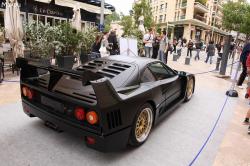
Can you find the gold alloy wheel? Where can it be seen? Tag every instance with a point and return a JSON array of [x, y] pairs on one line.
[[190, 88], [143, 125]]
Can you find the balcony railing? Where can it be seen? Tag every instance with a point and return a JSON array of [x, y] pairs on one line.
[[184, 5], [200, 18], [201, 7], [182, 17]]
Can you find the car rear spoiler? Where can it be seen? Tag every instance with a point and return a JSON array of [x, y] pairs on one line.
[[105, 93]]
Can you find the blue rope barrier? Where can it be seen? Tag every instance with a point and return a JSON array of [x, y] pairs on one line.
[[211, 133]]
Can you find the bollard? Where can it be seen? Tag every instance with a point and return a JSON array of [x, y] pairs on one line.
[[218, 64], [175, 57], [187, 60]]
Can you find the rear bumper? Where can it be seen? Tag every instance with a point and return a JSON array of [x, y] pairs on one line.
[[113, 142]]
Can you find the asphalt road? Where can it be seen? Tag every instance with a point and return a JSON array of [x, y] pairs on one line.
[[174, 142]]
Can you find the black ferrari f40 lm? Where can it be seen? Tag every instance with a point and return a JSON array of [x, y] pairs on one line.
[[111, 102]]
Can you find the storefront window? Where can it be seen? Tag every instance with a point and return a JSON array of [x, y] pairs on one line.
[[42, 19], [63, 21], [83, 26], [50, 21], [57, 22]]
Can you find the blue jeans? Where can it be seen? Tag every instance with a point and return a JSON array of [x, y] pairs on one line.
[[148, 51], [197, 54], [211, 59], [162, 56]]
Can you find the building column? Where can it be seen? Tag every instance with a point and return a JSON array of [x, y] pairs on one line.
[[187, 32]]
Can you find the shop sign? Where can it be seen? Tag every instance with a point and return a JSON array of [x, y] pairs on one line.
[[46, 11]]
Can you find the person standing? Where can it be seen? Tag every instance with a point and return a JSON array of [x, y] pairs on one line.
[[113, 43], [163, 47], [198, 46], [231, 50], [174, 44], [190, 48], [210, 52], [220, 49], [179, 47], [156, 46], [148, 40], [97, 45], [243, 58]]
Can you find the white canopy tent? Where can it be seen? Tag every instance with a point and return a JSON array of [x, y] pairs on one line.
[[14, 28]]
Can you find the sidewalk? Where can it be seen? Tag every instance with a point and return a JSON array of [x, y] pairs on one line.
[[9, 91], [234, 148]]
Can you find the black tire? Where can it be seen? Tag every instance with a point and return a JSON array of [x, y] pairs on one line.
[[189, 90], [134, 140]]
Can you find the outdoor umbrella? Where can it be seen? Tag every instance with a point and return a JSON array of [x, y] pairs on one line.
[[14, 27], [76, 20]]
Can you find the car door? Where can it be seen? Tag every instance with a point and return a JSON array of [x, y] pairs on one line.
[[168, 81]]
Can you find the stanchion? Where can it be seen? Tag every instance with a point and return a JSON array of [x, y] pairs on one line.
[[175, 57], [187, 60], [232, 92]]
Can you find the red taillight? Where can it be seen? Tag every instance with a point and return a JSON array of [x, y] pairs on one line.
[[92, 117], [30, 94], [90, 140], [27, 92], [79, 113]]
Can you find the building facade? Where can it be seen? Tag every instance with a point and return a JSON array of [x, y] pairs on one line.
[[190, 19], [57, 11]]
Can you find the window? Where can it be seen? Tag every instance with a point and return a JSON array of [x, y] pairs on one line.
[[165, 17], [161, 18], [147, 76], [160, 71], [50, 21], [161, 7], [166, 6]]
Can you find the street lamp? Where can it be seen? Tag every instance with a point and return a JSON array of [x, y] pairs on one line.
[[102, 16], [213, 16]]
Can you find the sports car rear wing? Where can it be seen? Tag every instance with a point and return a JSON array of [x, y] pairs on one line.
[[105, 93]]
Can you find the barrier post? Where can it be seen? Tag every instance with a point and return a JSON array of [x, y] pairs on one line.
[[224, 61]]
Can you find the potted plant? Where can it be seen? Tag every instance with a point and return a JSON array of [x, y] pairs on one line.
[[67, 45], [40, 42], [87, 41]]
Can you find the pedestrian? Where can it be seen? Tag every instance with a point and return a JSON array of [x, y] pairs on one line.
[[97, 45], [231, 50], [148, 40], [163, 47], [220, 49], [190, 46], [210, 52], [179, 48], [243, 58], [175, 44], [198, 46], [113, 43], [104, 50], [156, 46]]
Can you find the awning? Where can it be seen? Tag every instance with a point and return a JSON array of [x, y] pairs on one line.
[[43, 1], [84, 6]]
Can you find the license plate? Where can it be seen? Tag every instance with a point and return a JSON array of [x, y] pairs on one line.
[[55, 105]]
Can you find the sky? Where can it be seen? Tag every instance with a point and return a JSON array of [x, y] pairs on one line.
[[121, 5]]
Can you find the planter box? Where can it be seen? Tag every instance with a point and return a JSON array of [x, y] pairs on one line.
[[65, 62]]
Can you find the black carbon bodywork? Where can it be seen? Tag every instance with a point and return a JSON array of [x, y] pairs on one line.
[[111, 86]]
